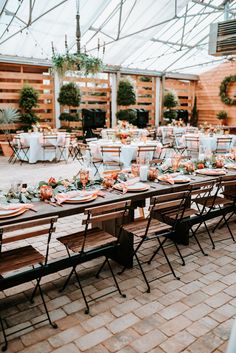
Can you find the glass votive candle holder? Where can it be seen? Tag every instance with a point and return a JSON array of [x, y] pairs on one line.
[[135, 169]]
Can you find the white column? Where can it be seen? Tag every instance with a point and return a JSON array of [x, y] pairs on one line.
[[113, 99], [57, 105], [158, 101]]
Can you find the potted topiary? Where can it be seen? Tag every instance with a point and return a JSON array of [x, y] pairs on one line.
[[27, 101], [194, 116], [69, 95], [8, 119], [125, 97], [170, 101], [222, 116]]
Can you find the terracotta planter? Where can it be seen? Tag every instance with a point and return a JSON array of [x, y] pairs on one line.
[[6, 149]]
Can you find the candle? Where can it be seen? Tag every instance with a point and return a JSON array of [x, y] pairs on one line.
[[143, 172]]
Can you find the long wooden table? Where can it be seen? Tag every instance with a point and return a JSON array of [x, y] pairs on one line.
[[124, 256]]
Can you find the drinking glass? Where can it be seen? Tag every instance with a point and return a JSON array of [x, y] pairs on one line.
[[84, 177]]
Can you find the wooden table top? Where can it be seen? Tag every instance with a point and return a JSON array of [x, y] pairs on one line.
[[46, 210]]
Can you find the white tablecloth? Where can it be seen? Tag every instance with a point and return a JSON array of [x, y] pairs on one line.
[[209, 143], [36, 152], [128, 152], [140, 132]]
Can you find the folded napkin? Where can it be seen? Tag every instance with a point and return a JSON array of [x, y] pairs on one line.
[[16, 206], [168, 179], [62, 197], [124, 185]]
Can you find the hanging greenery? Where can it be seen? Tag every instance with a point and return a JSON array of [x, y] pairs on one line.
[[223, 90], [126, 94], [76, 62]]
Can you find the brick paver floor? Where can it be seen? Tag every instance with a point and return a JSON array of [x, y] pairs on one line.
[[193, 315]]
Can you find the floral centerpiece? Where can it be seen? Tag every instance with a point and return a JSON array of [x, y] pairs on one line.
[[177, 123]]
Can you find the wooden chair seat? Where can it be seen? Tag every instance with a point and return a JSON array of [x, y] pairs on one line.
[[95, 238], [138, 228], [15, 259], [96, 160], [209, 201], [188, 212]]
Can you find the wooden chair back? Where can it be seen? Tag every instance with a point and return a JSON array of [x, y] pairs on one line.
[[114, 211], [176, 202], [223, 144], [192, 143], [29, 229]]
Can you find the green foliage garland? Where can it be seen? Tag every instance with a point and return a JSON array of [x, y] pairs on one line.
[[223, 90]]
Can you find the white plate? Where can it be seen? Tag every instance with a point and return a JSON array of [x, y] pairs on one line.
[[211, 172], [181, 179], [230, 166], [11, 213], [135, 187], [80, 199]]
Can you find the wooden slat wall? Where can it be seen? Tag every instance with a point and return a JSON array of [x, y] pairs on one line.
[[14, 76], [88, 87], [185, 91], [207, 92], [142, 89]]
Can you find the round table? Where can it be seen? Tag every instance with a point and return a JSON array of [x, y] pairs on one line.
[[139, 132], [36, 152], [128, 152], [209, 143]]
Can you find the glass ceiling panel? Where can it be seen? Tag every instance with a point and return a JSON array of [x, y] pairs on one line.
[[166, 35]]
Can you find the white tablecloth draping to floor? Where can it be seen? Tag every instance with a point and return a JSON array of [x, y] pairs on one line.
[[209, 143], [128, 152], [139, 132], [36, 152]]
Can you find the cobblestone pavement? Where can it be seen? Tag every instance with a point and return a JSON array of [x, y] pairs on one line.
[[192, 315]]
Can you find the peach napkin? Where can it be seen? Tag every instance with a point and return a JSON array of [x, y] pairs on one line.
[[124, 185], [62, 197], [167, 179]]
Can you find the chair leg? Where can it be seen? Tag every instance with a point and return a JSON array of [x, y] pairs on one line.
[[101, 268], [156, 252], [179, 252], [167, 259], [114, 278], [209, 235], [53, 324], [217, 224], [197, 241], [143, 273], [83, 294], [229, 229], [67, 280], [34, 292], [5, 345]]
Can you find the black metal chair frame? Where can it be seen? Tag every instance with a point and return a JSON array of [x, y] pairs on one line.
[[119, 210], [25, 225], [171, 234]]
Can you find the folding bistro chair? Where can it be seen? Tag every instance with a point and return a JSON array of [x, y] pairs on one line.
[[179, 146], [192, 145], [63, 146], [223, 145], [21, 257], [153, 228], [20, 150], [228, 207], [49, 143], [111, 156], [146, 153], [94, 243]]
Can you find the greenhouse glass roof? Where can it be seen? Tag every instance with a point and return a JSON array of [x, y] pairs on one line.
[[160, 35]]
